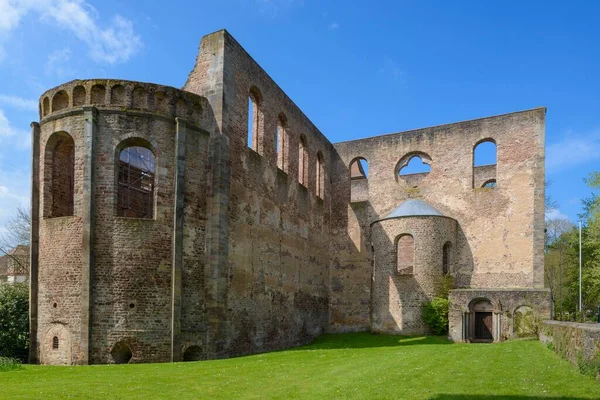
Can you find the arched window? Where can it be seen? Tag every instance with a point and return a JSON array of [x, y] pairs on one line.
[[359, 169], [281, 142], [121, 353], [320, 175], [136, 179], [405, 254], [446, 258], [55, 342], [303, 161], [415, 165], [60, 101], [359, 185], [59, 175], [484, 164], [255, 120]]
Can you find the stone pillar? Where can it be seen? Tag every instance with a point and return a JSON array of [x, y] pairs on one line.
[[177, 263], [34, 243], [87, 215], [216, 273]]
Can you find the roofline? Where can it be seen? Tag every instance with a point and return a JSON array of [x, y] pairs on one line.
[[447, 124], [410, 216]]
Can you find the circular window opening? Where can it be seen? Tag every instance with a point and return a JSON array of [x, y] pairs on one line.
[[131, 305], [192, 353], [54, 305], [121, 353]]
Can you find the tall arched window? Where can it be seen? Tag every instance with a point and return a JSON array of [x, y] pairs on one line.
[[55, 342], [484, 164], [359, 185], [405, 254], [359, 169], [255, 120], [281, 142], [303, 161], [59, 175], [320, 175], [446, 258], [136, 179]]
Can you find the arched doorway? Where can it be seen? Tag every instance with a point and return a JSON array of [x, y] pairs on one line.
[[483, 321]]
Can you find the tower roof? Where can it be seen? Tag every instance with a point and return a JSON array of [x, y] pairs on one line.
[[412, 208]]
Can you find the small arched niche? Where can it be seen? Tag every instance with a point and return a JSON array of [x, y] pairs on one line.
[[192, 353], [78, 96], [359, 184], [524, 324], [413, 168], [121, 353], [98, 94], [405, 254], [485, 164], [60, 101]]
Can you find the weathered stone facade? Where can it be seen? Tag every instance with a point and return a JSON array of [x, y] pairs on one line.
[[256, 242]]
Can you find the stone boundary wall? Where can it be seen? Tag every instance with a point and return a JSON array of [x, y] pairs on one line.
[[576, 342]]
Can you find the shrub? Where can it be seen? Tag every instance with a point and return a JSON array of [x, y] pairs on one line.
[[9, 364], [435, 315], [14, 321]]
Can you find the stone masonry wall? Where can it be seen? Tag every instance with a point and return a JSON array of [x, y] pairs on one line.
[[501, 230], [278, 229]]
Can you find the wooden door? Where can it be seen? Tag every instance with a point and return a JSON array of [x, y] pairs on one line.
[[483, 326]]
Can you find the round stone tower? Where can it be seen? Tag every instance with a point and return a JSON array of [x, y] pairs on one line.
[[413, 249], [107, 235]]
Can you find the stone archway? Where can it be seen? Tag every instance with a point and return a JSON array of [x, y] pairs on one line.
[[56, 346]]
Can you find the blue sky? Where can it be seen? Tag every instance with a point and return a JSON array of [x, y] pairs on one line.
[[356, 69]]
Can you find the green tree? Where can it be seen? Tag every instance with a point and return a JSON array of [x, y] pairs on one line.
[[14, 320]]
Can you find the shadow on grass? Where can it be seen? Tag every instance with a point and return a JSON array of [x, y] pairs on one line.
[[363, 340], [504, 397]]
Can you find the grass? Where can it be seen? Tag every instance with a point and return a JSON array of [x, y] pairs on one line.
[[9, 364], [350, 366]]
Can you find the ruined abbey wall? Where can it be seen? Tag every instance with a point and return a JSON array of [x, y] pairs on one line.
[[278, 228]]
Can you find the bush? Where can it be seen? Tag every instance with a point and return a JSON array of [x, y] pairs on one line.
[[14, 321], [9, 364], [435, 315]]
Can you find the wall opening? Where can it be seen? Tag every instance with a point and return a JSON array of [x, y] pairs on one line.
[[281, 142], [359, 169], [121, 353], [303, 161], [415, 165], [192, 353], [483, 321], [55, 343], [405, 254], [78, 96], [446, 257], [117, 94], [98, 94], [60, 101], [136, 180], [524, 324], [320, 181], [46, 106], [359, 184], [255, 136], [485, 164], [59, 175]]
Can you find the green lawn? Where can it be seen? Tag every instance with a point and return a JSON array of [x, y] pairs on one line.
[[357, 366]]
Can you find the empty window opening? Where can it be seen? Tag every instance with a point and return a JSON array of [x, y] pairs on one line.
[[59, 171], [55, 343], [320, 175], [98, 94], [490, 184], [60, 101], [254, 120], [405, 254], [484, 153], [446, 258], [121, 353], [135, 194], [281, 142], [78, 96], [415, 165], [303, 162], [192, 353], [359, 169], [46, 106]]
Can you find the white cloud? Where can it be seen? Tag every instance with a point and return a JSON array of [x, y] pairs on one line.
[[110, 44], [572, 151], [9, 135], [19, 102], [555, 213], [333, 26], [58, 64]]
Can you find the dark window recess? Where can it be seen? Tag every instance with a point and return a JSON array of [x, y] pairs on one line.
[[136, 183]]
